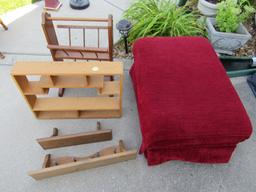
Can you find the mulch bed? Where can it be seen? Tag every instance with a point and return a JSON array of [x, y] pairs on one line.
[[249, 49]]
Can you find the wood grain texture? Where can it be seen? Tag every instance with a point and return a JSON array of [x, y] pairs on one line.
[[76, 103], [66, 68], [83, 165], [71, 75], [75, 139]]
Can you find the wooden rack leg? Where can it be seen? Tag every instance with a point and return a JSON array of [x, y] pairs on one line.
[[61, 92], [46, 162], [2, 23], [2, 56], [55, 132], [98, 126]]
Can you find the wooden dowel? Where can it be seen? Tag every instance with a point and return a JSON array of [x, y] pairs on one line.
[[69, 36], [76, 19], [55, 132], [84, 37], [2, 23], [98, 38], [98, 126], [81, 27]]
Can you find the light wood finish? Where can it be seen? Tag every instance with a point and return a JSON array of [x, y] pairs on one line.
[[68, 164], [67, 68], [71, 75], [56, 140], [109, 88], [2, 23], [76, 104], [46, 162]]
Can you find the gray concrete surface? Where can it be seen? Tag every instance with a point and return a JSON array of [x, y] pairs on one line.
[[25, 34], [19, 152]]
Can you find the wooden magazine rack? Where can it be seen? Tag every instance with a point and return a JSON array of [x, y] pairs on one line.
[[107, 103], [61, 51], [83, 52]]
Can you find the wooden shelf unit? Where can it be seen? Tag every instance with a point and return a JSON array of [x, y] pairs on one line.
[[106, 104]]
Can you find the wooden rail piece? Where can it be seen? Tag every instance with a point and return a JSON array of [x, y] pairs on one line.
[[68, 164], [67, 68], [81, 27], [2, 23], [56, 141]]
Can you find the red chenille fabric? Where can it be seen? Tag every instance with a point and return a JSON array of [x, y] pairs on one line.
[[188, 108]]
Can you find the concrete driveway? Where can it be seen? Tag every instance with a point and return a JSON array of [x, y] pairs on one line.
[[20, 153]]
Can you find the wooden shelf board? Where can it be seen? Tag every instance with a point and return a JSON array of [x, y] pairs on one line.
[[110, 88], [76, 103], [67, 68], [78, 81], [57, 114]]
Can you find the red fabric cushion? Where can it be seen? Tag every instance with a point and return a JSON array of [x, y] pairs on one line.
[[188, 108]]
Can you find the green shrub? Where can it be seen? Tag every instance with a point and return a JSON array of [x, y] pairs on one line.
[[161, 18], [231, 13]]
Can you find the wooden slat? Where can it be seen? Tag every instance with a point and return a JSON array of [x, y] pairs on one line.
[[84, 37], [69, 36], [78, 81], [77, 55], [76, 103], [78, 48], [76, 19], [69, 81], [83, 165], [110, 88], [81, 27], [67, 68], [57, 114], [76, 115], [75, 139]]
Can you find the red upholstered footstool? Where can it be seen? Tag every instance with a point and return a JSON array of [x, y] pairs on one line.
[[188, 108]]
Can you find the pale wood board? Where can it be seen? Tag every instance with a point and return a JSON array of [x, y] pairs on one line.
[[76, 103], [63, 68], [75, 139], [83, 165]]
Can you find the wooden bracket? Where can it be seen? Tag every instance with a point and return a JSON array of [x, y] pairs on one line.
[[68, 164], [56, 141]]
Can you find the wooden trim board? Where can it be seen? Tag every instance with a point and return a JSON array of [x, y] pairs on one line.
[[56, 141], [67, 68], [64, 165]]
